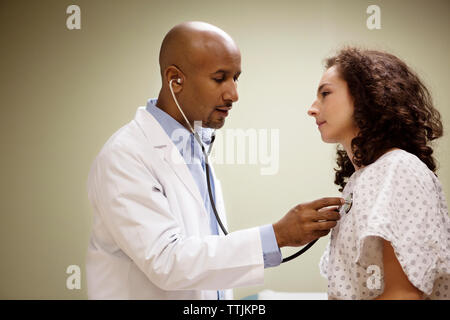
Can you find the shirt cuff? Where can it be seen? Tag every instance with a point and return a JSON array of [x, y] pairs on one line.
[[271, 252]]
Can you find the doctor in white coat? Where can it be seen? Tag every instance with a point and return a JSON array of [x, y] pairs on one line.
[[154, 235]]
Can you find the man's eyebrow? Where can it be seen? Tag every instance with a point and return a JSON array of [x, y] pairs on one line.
[[225, 72], [220, 71]]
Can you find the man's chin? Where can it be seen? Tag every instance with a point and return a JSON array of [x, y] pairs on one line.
[[215, 124]]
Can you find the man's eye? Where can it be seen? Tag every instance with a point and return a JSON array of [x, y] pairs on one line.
[[219, 80], [236, 79]]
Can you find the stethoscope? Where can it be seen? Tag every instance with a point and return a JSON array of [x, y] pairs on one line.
[[208, 178]]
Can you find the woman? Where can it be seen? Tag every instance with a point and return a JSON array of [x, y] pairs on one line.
[[393, 239]]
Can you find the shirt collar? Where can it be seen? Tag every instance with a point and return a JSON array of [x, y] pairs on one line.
[[170, 125]]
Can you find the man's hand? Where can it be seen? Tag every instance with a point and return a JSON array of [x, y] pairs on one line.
[[307, 222]]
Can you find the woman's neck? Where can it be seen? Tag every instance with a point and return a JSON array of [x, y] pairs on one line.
[[348, 149]]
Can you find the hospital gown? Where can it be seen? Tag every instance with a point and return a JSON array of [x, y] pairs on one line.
[[396, 198]]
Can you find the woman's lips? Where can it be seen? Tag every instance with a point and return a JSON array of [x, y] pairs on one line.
[[320, 123]]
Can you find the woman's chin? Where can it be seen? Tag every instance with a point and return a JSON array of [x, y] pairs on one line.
[[327, 139]]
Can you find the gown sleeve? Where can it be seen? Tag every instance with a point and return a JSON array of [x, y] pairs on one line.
[[401, 201], [323, 264]]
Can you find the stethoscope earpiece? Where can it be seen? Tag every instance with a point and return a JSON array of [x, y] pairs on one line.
[[178, 80]]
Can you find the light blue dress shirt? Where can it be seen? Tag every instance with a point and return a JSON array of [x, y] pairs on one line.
[[192, 153]]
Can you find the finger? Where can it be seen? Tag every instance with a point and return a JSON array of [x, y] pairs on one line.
[[321, 233], [327, 215], [326, 202], [329, 208], [324, 226]]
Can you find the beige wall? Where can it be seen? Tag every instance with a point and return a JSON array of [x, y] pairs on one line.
[[63, 93]]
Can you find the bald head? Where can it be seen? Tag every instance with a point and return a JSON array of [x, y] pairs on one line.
[[207, 63], [188, 44]]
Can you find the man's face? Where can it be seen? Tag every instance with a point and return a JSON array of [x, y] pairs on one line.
[[210, 85]]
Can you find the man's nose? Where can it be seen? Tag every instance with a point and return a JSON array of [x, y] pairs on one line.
[[231, 92]]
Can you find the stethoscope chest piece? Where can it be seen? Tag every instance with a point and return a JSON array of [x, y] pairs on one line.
[[347, 206]]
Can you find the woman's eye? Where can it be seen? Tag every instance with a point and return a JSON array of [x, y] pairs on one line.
[[219, 80], [325, 93]]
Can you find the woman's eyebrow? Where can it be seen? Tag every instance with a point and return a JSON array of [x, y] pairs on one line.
[[321, 86]]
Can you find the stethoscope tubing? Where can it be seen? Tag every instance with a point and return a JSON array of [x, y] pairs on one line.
[[208, 180]]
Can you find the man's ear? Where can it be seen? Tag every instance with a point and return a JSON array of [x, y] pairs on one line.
[[175, 74]]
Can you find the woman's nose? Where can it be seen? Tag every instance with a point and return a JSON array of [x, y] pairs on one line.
[[313, 110]]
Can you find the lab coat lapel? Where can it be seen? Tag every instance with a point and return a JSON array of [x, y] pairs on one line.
[[173, 157], [169, 152]]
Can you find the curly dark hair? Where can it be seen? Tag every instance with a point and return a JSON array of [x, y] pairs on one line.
[[392, 108]]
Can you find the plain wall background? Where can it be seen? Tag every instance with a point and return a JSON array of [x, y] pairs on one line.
[[64, 93]]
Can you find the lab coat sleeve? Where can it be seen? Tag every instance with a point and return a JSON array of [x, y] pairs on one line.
[[137, 214]]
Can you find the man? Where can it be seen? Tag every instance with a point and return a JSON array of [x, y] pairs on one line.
[[154, 232]]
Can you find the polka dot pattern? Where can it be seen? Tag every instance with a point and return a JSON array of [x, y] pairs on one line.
[[396, 198]]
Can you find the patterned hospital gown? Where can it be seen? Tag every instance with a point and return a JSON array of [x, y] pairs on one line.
[[399, 199]]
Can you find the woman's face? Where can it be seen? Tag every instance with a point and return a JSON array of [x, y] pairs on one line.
[[333, 109]]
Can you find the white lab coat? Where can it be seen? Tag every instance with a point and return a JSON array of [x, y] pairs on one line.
[[151, 236]]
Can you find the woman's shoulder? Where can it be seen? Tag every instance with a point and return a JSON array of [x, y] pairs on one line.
[[400, 161], [400, 167]]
